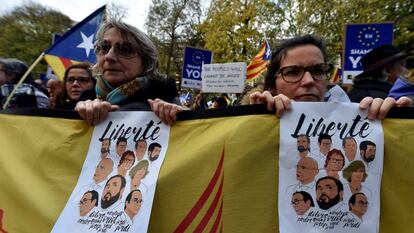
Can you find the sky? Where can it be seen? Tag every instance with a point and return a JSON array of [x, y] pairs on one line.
[[77, 10]]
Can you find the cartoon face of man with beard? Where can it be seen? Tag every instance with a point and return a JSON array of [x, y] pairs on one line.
[[329, 192], [303, 143], [154, 151], [367, 150], [106, 143], [113, 191]]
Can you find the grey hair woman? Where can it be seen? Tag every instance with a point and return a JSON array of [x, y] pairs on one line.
[[127, 73]]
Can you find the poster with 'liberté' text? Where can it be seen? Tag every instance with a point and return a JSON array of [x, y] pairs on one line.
[[116, 187], [330, 168]]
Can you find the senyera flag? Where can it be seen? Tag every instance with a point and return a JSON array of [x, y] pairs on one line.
[[259, 63], [335, 75], [76, 45]]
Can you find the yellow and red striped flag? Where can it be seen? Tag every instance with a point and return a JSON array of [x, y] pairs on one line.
[[259, 63], [335, 75]]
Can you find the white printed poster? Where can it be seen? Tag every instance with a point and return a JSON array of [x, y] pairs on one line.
[[116, 187], [330, 169]]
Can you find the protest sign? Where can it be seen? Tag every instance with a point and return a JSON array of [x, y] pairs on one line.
[[330, 169], [116, 188], [194, 58], [221, 168], [359, 40], [224, 78]]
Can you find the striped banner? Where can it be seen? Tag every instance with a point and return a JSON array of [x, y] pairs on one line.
[[220, 172], [259, 63], [198, 206], [59, 64]]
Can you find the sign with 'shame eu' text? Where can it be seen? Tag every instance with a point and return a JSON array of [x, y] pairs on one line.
[[193, 60], [224, 78], [359, 40]]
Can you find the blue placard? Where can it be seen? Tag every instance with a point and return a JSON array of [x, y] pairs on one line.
[[359, 40], [193, 60]]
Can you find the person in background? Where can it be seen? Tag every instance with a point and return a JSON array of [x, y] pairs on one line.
[[244, 98], [200, 102], [78, 85], [28, 95], [404, 86], [54, 87], [127, 75], [219, 102], [299, 71], [382, 67]]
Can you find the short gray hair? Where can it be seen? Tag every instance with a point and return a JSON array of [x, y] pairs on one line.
[[141, 42]]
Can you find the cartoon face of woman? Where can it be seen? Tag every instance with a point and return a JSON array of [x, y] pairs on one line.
[[128, 162], [335, 163], [139, 175], [358, 175]]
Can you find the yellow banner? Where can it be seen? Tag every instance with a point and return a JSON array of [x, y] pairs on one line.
[[219, 175]]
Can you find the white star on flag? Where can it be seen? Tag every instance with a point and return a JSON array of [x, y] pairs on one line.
[[268, 53], [86, 44]]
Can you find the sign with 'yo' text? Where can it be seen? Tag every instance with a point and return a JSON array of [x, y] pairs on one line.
[[359, 40], [193, 60]]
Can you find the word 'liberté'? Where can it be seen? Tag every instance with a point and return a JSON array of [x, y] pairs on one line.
[[358, 127], [150, 131]]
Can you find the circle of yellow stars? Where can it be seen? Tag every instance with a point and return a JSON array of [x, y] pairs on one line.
[[198, 57], [369, 36]]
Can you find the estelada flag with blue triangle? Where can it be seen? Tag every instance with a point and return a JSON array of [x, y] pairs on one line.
[[259, 63], [76, 45]]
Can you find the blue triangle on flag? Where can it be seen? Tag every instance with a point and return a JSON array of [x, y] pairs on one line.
[[77, 43]]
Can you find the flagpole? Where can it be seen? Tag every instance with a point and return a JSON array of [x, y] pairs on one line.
[[5, 105]]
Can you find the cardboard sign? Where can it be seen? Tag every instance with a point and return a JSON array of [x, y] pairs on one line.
[[224, 78]]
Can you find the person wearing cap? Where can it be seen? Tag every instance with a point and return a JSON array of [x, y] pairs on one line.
[[382, 66]]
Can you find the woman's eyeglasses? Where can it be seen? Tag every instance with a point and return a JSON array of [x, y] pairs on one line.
[[293, 74], [124, 49], [80, 80]]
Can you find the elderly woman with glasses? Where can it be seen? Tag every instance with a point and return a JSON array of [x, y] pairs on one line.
[[78, 84], [299, 71], [127, 75]]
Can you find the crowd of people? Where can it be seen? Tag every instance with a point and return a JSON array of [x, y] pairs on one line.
[[127, 77]]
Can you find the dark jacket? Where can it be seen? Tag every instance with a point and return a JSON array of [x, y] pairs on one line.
[[161, 89], [363, 88], [63, 101]]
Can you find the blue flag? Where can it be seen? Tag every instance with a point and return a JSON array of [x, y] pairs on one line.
[[76, 45]]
